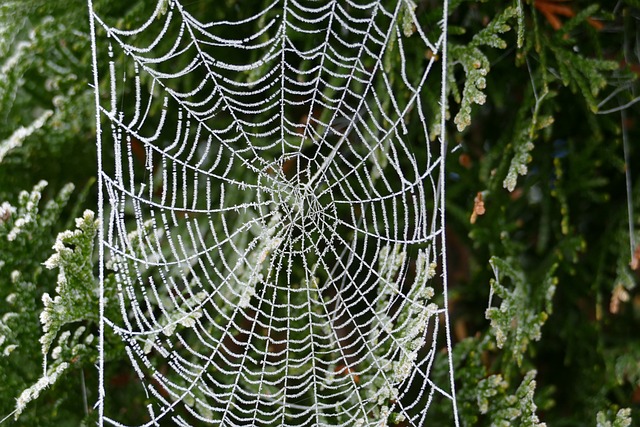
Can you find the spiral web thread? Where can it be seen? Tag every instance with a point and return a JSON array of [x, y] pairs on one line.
[[273, 217]]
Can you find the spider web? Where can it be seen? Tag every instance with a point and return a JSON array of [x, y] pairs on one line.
[[272, 209]]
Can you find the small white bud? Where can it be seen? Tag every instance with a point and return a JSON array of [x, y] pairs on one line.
[[55, 354], [15, 276]]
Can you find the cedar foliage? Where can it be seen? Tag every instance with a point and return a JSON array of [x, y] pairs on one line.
[[544, 297]]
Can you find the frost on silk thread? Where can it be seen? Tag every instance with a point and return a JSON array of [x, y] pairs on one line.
[[272, 211]]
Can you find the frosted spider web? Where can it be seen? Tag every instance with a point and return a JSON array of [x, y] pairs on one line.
[[272, 209]]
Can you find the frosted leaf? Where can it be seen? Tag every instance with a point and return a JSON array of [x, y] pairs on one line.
[[272, 212], [34, 391], [17, 138]]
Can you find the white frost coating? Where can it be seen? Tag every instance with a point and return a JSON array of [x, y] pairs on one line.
[[274, 213], [19, 135], [34, 391]]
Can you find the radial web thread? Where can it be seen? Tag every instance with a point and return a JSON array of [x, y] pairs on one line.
[[272, 205]]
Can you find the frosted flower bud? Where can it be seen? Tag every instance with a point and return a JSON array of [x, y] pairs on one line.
[[64, 337], [55, 354], [14, 234], [62, 280], [44, 320], [384, 414], [51, 84], [9, 316], [429, 292], [148, 346], [169, 329], [58, 101], [188, 321], [88, 215], [432, 270], [11, 299], [6, 210], [9, 349], [58, 246], [46, 299], [245, 299], [79, 332], [42, 183], [52, 262]]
